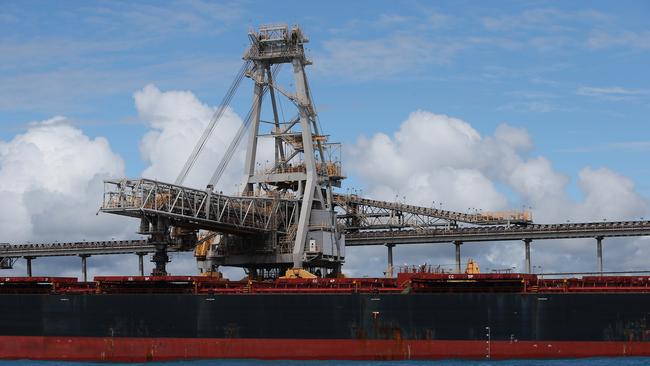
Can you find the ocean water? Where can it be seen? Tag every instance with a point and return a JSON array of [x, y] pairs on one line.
[[630, 361]]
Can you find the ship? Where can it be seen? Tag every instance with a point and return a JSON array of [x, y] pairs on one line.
[[288, 229], [413, 316]]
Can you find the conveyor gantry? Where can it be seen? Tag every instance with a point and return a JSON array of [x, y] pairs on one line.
[[456, 235], [198, 209], [203, 209], [500, 233], [76, 248], [363, 213], [10, 253]]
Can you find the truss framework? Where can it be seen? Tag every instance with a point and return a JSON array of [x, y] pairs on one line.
[[196, 209], [499, 233], [362, 213]]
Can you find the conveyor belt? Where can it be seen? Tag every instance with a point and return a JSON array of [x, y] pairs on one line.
[[362, 212], [78, 248], [500, 233]]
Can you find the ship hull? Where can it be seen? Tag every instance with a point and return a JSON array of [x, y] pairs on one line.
[[164, 349], [141, 327]]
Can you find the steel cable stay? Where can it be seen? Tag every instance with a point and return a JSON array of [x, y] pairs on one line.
[[216, 118], [234, 143]]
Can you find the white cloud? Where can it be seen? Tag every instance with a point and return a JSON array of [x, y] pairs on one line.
[[544, 19], [528, 19], [381, 58], [613, 93], [536, 181], [529, 106], [187, 16], [51, 184], [609, 195], [438, 158], [630, 39], [637, 146], [177, 119], [51, 177], [443, 159]]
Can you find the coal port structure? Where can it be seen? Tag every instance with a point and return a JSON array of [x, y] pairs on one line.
[[288, 229]]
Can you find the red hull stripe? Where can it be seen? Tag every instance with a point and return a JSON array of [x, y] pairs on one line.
[[158, 349]]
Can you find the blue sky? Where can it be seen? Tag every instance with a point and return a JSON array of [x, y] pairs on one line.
[[572, 75]]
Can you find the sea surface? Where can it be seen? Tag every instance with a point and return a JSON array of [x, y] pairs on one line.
[[630, 361]]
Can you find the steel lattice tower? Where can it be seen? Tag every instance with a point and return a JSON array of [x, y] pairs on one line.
[[303, 162]]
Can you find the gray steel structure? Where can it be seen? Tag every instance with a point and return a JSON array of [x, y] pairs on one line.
[[500, 233], [198, 209], [363, 213], [285, 216], [301, 167], [76, 248], [10, 253], [390, 238]]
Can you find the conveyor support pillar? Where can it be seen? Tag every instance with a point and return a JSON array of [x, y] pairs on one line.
[[84, 267], [389, 270], [141, 263], [458, 244], [29, 265], [599, 253], [527, 249]]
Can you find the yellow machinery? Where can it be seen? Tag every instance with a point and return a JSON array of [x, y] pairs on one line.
[[297, 273], [472, 267], [203, 245]]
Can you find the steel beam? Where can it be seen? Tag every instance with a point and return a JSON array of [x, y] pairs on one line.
[[77, 248], [458, 244], [423, 216], [389, 272], [141, 262], [527, 249], [29, 266], [599, 253], [84, 268], [186, 207], [500, 233]]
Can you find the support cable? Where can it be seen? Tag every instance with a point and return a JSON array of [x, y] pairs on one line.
[[230, 151], [216, 117]]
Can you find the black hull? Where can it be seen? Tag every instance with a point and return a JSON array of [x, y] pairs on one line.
[[440, 316]]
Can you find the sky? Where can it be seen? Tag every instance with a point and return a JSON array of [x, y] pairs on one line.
[[472, 105]]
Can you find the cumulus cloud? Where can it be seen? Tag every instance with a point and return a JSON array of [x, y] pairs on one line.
[[609, 195], [52, 177], [437, 158], [176, 120], [51, 185]]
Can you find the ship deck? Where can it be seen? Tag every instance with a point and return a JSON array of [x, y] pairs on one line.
[[404, 283]]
